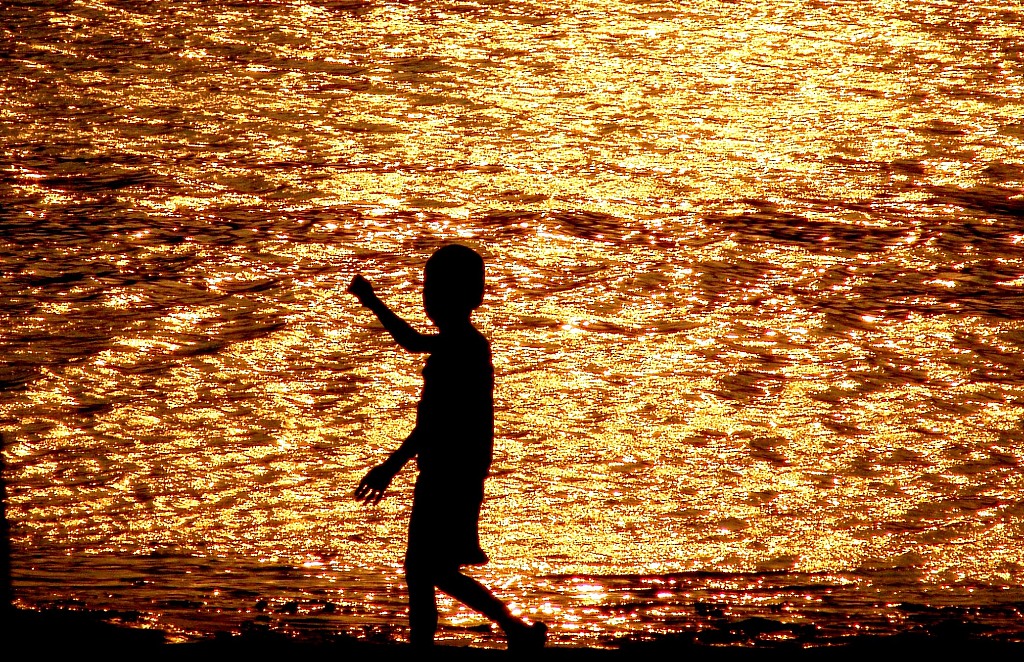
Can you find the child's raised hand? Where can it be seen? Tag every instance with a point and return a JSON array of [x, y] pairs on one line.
[[371, 488], [362, 289]]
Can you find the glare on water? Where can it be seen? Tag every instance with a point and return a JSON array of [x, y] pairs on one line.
[[755, 274]]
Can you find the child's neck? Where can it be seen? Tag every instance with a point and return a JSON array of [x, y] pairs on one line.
[[452, 326]]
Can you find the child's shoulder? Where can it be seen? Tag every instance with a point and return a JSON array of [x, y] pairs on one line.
[[477, 341], [480, 339]]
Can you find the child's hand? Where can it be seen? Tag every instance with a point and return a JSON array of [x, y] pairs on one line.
[[374, 483], [362, 289]]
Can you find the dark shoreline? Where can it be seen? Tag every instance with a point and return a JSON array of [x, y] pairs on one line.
[[81, 632]]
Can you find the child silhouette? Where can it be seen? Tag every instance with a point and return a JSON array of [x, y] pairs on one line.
[[452, 443]]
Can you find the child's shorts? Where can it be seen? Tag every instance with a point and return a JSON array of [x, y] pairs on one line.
[[443, 528]]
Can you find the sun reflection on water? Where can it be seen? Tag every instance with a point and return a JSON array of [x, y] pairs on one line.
[[754, 296]]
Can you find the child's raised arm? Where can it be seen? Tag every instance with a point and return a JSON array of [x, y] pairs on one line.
[[406, 336]]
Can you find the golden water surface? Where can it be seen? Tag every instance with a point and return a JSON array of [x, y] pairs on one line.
[[755, 279]]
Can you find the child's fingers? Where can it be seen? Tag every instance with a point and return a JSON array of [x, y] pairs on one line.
[[368, 494], [372, 497]]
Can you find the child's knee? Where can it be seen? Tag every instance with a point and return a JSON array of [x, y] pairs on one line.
[[428, 571]]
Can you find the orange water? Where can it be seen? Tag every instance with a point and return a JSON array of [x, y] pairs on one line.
[[755, 269]]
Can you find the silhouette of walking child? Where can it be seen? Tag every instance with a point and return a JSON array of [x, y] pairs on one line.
[[452, 442]]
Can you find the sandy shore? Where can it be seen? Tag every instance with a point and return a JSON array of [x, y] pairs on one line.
[[84, 633]]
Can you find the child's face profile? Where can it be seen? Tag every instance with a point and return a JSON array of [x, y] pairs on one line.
[[430, 299], [438, 303]]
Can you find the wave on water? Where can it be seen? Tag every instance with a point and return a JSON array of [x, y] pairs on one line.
[[755, 276]]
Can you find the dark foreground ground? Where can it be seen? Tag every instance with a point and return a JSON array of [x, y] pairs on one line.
[[81, 635]]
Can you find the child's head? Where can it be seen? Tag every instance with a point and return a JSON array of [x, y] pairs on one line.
[[453, 283]]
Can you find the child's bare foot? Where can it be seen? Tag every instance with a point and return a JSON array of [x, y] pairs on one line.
[[526, 638]]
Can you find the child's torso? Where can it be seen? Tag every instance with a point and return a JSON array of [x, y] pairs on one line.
[[456, 410]]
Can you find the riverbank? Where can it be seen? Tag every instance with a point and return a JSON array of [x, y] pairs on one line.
[[84, 633]]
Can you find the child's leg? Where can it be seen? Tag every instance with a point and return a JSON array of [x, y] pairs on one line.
[[422, 607], [475, 595]]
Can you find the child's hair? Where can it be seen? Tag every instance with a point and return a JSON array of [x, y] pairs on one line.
[[457, 273]]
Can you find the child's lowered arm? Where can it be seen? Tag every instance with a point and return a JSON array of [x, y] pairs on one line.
[[406, 336], [373, 485]]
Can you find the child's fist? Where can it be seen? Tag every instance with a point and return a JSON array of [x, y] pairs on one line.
[[361, 288]]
